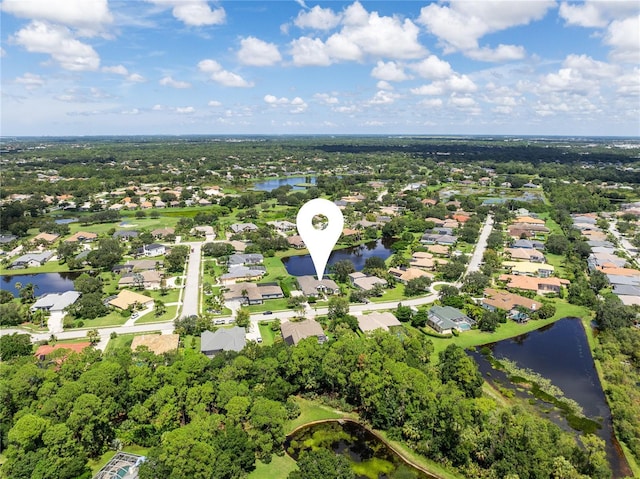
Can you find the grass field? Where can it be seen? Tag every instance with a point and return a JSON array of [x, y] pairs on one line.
[[122, 341], [278, 468], [270, 305], [268, 336], [394, 294], [169, 314], [114, 318]]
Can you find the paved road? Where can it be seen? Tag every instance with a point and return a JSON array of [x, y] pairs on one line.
[[625, 244], [481, 246], [191, 292]]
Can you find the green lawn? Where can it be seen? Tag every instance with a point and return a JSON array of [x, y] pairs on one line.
[[275, 270], [122, 341], [313, 411], [394, 294], [268, 336], [557, 261], [114, 318], [172, 295], [168, 315], [278, 468], [48, 267], [270, 305]]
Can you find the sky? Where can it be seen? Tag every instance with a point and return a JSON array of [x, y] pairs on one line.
[[177, 67]]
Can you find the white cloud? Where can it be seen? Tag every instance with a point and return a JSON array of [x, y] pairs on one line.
[[454, 84], [431, 103], [628, 84], [501, 53], [157, 107], [389, 71], [307, 51], [169, 81], [623, 37], [596, 14], [383, 97], [57, 41], [195, 13], [224, 77], [136, 78], [117, 69], [326, 98], [433, 68], [3, 52], [214, 103], [362, 34], [296, 105], [460, 25], [462, 101], [30, 81], [256, 52], [88, 16], [133, 111], [317, 18], [185, 109], [384, 85]]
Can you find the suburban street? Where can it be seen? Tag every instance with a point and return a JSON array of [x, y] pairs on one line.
[[191, 292], [634, 253]]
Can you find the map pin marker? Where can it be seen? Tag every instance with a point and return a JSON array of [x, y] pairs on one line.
[[319, 242]]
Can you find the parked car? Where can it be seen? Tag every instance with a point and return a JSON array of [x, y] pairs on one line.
[[268, 312]]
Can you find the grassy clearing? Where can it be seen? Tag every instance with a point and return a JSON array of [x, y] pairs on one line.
[[172, 295], [114, 318], [122, 341], [313, 411], [394, 294], [278, 468], [269, 336], [275, 270], [48, 267], [270, 305], [168, 315]]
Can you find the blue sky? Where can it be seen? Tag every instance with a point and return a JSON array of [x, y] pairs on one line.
[[111, 67]]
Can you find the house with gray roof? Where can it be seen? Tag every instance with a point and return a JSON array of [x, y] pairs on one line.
[[294, 332], [243, 273], [223, 339], [31, 260], [55, 302], [244, 259], [444, 319], [125, 235], [237, 228]]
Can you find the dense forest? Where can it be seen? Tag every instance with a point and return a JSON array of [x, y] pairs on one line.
[[207, 418]]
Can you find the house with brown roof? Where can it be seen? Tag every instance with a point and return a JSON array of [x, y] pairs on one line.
[[46, 238], [82, 237], [126, 299], [295, 241], [506, 301], [406, 275], [372, 321], [294, 332], [163, 232], [148, 279], [539, 285]]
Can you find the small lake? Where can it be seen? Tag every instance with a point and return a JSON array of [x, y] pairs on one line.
[[560, 352], [44, 282], [272, 184], [370, 458], [302, 265]]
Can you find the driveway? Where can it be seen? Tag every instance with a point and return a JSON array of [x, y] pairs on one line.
[[191, 295]]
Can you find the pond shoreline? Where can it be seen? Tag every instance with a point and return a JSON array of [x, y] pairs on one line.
[[377, 435]]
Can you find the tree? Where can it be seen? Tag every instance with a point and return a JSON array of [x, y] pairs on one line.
[[27, 293], [420, 318], [342, 269], [93, 335], [175, 259], [373, 263], [452, 270], [322, 464], [108, 253], [417, 286], [15, 345], [5, 296], [159, 308], [243, 317], [338, 307], [489, 321], [217, 250], [267, 420], [475, 283], [613, 314], [557, 244], [456, 366], [547, 310], [403, 313], [598, 281], [11, 314], [88, 284], [89, 306]]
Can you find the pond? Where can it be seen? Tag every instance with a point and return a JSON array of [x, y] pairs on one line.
[[302, 265], [370, 458], [44, 282], [560, 352], [273, 183]]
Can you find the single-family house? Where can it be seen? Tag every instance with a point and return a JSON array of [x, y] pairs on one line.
[[251, 293], [538, 285], [160, 233], [148, 279], [366, 282], [311, 286], [82, 237], [46, 349], [526, 254], [295, 241], [45, 238], [438, 249], [406, 275], [55, 302], [283, 226], [7, 238], [238, 228], [375, 320], [151, 250], [31, 260], [143, 264], [126, 299], [510, 302], [529, 268], [294, 332], [243, 273], [125, 235], [223, 339], [244, 259], [444, 319]]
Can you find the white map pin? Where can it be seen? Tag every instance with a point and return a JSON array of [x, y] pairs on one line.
[[319, 242]]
